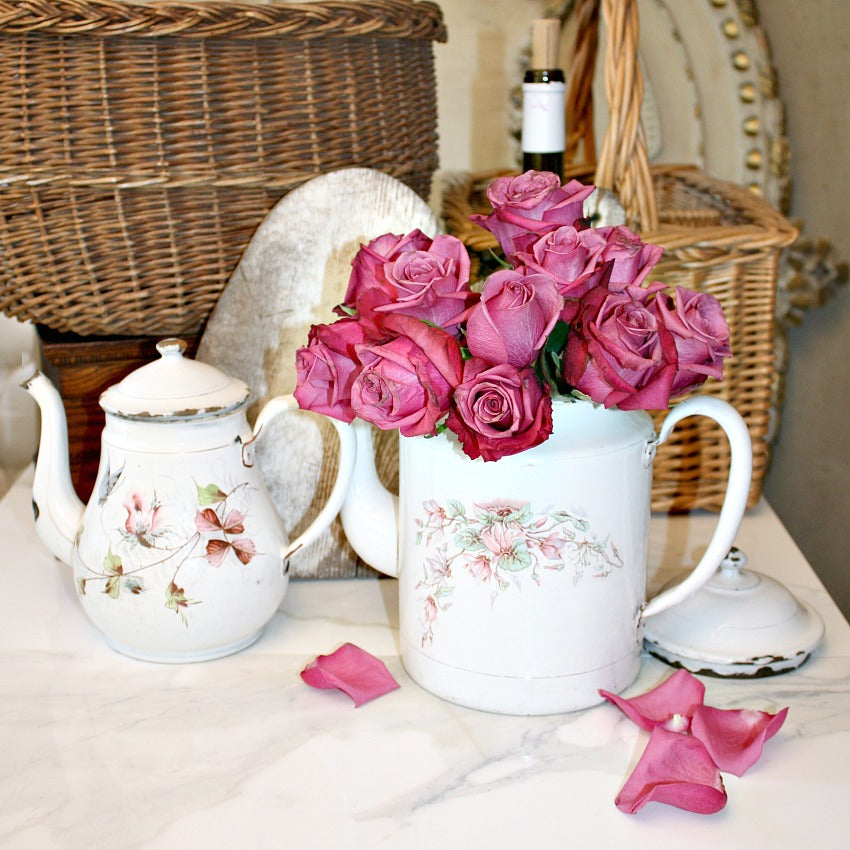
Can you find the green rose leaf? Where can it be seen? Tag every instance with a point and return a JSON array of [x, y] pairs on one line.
[[548, 364]]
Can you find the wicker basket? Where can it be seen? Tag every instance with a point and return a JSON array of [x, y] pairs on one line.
[[718, 237], [142, 144]]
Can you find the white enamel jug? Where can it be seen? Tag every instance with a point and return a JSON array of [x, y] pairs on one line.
[[522, 581]]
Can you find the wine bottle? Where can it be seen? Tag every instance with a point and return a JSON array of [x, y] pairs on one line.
[[543, 94]]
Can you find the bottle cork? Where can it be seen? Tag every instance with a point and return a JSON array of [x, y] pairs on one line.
[[545, 33]]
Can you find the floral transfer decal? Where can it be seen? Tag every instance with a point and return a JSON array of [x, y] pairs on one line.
[[148, 540], [144, 522], [218, 520], [500, 544]]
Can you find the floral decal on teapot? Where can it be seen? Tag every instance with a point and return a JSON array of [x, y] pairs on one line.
[[224, 525], [144, 524], [498, 544], [151, 538]]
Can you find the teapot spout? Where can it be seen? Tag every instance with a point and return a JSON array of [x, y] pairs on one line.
[[58, 512], [370, 512]]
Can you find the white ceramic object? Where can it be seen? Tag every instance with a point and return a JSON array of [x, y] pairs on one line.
[[18, 413], [522, 581], [179, 554], [740, 624], [293, 273]]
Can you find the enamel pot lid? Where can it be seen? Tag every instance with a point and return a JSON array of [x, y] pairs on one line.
[[740, 624], [174, 387]]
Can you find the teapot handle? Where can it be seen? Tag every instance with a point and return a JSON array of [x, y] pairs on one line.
[[734, 502], [281, 404]]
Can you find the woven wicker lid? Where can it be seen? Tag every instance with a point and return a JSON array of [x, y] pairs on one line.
[[174, 387], [217, 18]]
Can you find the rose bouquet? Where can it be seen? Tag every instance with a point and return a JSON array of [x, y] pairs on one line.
[[419, 348]]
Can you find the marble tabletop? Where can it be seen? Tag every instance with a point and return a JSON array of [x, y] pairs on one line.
[[98, 750]]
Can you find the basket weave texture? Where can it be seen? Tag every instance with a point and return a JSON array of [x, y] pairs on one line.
[[141, 144], [718, 237]]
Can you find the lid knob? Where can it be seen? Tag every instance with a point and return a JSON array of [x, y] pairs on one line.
[[731, 574], [171, 347]]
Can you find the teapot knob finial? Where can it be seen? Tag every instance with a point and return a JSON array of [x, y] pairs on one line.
[[171, 347]]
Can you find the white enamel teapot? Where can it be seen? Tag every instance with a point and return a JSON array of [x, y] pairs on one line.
[[180, 554]]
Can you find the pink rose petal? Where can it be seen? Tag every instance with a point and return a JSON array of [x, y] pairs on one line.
[[671, 702], [735, 738], [353, 671], [674, 769]]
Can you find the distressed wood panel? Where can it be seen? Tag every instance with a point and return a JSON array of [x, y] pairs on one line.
[[294, 271]]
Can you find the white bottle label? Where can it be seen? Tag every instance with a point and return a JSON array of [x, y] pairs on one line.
[[543, 117]]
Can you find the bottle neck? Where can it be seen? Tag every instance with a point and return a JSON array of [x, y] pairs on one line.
[[544, 75], [553, 161]]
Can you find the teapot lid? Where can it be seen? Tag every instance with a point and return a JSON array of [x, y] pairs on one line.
[[174, 387], [740, 624]]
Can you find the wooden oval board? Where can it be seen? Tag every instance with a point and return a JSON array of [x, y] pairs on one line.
[[293, 273]]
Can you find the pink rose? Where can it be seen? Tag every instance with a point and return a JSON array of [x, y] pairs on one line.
[[499, 410], [516, 313], [367, 267], [430, 283], [572, 258], [701, 335], [530, 191], [406, 382], [633, 259], [619, 353], [528, 206], [326, 368], [586, 283], [567, 255]]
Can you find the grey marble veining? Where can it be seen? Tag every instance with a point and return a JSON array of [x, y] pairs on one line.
[[102, 751]]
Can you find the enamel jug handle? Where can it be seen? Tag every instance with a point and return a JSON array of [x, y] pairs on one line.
[[282, 404], [734, 502]]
